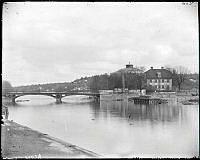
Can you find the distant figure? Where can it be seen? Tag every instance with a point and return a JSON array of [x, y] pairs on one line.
[[129, 116], [6, 112]]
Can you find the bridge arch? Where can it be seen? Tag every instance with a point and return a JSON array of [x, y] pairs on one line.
[[32, 95], [58, 98]]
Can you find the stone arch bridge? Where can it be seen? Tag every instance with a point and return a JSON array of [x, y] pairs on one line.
[[57, 95]]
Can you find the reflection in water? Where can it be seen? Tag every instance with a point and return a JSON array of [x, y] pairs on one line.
[[130, 111], [114, 128]]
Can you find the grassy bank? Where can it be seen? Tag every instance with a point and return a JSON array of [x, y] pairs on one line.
[[18, 141]]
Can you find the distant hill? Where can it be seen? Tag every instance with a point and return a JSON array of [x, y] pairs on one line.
[[42, 87], [76, 85], [189, 84]]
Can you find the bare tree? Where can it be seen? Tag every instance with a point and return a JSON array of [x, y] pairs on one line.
[[179, 75], [140, 81], [142, 69]]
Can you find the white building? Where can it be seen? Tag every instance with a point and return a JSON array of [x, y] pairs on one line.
[[159, 79]]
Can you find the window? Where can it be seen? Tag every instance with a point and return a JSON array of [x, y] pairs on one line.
[[167, 80], [163, 86], [159, 74], [150, 80], [162, 80]]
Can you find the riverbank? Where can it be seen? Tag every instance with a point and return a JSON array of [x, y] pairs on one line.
[[18, 141]]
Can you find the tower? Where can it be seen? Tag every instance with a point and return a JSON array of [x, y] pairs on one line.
[[129, 65]]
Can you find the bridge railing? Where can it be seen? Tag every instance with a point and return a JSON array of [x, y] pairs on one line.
[[52, 93]]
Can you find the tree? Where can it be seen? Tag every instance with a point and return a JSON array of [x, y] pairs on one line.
[[6, 87], [140, 81], [179, 75], [150, 88], [142, 69], [131, 80], [93, 84]]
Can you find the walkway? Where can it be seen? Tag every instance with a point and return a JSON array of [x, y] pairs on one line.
[[18, 141]]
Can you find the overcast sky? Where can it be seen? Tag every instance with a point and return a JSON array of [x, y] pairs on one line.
[[58, 42]]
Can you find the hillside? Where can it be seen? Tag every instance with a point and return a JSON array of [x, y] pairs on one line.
[[43, 87], [78, 84], [191, 82]]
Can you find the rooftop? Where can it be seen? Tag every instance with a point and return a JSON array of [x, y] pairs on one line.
[[153, 73]]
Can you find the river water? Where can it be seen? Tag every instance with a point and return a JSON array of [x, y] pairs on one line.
[[114, 129]]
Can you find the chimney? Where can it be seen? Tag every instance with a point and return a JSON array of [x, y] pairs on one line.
[[162, 67], [151, 67]]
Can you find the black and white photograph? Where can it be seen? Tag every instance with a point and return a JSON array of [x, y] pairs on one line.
[[100, 80]]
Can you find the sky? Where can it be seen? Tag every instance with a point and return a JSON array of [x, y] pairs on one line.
[[53, 42]]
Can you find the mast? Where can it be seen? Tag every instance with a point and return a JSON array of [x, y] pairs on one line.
[[123, 83]]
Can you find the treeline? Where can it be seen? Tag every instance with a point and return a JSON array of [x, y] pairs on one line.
[[109, 82]]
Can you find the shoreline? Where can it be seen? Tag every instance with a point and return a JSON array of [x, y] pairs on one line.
[[19, 141]]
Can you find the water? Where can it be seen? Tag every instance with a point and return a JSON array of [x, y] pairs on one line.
[[114, 129]]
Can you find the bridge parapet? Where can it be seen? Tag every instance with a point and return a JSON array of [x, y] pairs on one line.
[[57, 95]]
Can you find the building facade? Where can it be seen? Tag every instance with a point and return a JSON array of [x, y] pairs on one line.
[[158, 79]]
